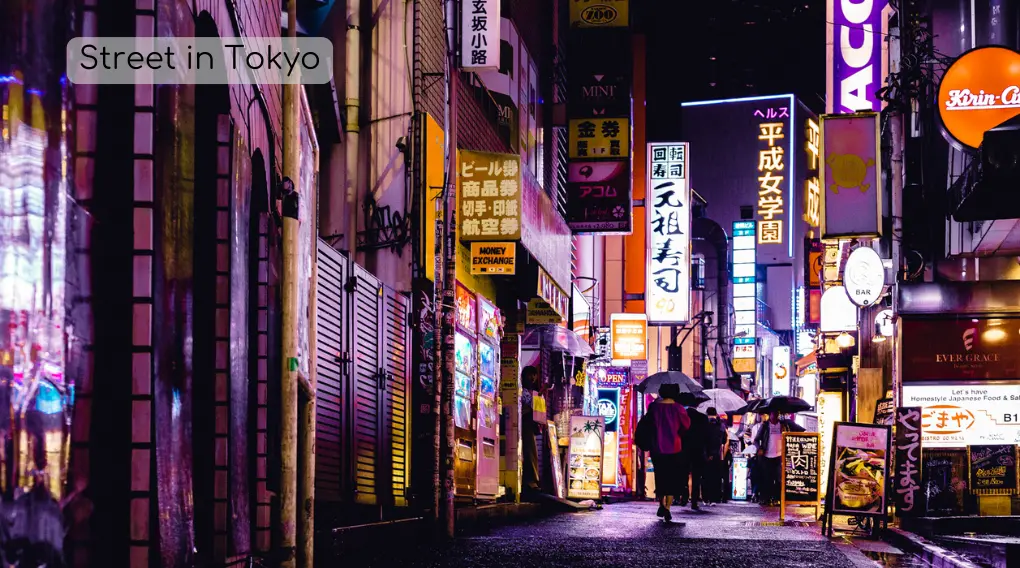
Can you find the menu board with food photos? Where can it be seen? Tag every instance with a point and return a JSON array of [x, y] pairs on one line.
[[858, 471], [584, 457], [992, 469]]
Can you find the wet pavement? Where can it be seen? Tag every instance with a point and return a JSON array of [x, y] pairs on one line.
[[630, 535]]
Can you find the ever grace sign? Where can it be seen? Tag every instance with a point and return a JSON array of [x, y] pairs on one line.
[[907, 479], [800, 467]]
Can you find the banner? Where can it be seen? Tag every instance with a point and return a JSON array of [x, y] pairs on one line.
[[668, 286], [851, 176], [488, 196], [907, 493], [599, 197]]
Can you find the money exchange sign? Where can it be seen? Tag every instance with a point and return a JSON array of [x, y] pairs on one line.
[[668, 287]]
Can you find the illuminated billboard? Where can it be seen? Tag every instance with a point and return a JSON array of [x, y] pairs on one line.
[[745, 304], [855, 54], [668, 285]]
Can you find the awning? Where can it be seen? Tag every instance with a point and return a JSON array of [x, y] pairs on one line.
[[806, 361], [557, 338]]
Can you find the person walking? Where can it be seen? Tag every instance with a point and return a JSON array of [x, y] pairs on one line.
[[695, 448], [529, 429], [769, 441], [715, 452], [659, 432]]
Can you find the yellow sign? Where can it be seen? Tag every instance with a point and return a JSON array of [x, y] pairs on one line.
[[628, 336], [493, 258], [541, 313], [599, 13], [599, 137], [488, 196], [433, 174], [812, 189], [770, 192], [744, 365]]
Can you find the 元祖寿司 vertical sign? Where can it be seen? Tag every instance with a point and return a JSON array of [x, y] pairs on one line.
[[668, 286], [479, 34]]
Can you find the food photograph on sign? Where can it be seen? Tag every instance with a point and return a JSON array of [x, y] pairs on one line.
[[862, 461], [584, 466]]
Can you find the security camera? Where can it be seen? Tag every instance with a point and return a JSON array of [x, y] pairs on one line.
[[402, 143]]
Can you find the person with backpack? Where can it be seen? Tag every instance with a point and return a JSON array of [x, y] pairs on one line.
[[659, 432]]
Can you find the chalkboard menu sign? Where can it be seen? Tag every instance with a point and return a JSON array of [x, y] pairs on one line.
[[944, 481], [907, 491], [801, 474], [992, 469], [884, 412]]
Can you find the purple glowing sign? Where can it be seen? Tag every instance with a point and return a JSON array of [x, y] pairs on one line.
[[855, 62]]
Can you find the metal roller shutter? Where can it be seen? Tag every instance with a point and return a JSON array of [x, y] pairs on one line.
[[330, 446], [396, 426]]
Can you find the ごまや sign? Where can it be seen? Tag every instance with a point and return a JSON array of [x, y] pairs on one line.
[[479, 34], [864, 276], [493, 258]]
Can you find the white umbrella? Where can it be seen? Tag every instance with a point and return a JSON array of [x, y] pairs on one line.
[[723, 400]]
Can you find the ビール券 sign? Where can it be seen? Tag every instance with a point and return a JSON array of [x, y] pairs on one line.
[[493, 258]]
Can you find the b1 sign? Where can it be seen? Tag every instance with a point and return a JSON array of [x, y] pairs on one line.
[[479, 34], [855, 50]]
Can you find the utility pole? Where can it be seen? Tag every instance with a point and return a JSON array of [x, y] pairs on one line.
[[449, 270], [289, 377]]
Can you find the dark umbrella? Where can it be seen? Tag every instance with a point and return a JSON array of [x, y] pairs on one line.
[[691, 393], [783, 405], [751, 406]]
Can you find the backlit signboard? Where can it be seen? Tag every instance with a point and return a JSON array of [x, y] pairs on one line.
[[855, 54], [629, 336], [955, 416], [812, 187], [745, 305], [781, 370], [668, 286], [479, 37], [979, 91]]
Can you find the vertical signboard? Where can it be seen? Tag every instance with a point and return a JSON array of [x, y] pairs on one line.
[[830, 411], [851, 176], [855, 54], [668, 286], [488, 196], [584, 457], [479, 34], [812, 187], [599, 197], [907, 492], [781, 370], [609, 410], [775, 176], [745, 302]]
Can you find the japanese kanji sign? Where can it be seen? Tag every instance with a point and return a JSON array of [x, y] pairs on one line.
[[812, 189], [607, 138], [488, 196], [479, 34], [599, 197], [668, 286], [801, 474], [772, 172], [907, 492]]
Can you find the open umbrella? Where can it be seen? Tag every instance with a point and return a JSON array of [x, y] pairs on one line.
[[723, 400], [783, 405], [691, 393], [558, 338], [751, 406]]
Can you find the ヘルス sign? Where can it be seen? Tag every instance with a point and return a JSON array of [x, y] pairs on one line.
[[979, 91], [493, 258]]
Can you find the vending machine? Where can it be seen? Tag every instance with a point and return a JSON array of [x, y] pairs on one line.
[[489, 336], [465, 394]]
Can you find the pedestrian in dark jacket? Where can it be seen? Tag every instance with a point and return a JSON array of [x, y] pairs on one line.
[[716, 441], [769, 441], [695, 449]]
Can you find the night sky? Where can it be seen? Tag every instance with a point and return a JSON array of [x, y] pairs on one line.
[[729, 48]]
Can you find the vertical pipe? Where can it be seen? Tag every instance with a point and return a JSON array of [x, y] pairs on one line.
[[289, 378], [306, 488], [352, 122], [896, 131], [449, 269]]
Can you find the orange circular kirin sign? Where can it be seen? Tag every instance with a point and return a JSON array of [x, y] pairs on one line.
[[979, 91]]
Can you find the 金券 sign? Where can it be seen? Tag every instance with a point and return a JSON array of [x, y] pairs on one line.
[[488, 196]]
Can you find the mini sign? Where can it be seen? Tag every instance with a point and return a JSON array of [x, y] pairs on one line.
[[480, 26], [864, 276], [493, 258], [979, 91]]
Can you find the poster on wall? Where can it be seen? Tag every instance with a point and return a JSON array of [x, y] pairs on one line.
[[860, 464], [668, 286], [584, 457], [851, 176]]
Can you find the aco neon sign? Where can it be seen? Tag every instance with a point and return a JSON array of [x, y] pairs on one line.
[[855, 54], [979, 91]]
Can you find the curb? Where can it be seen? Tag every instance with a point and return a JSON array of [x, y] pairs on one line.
[[931, 553]]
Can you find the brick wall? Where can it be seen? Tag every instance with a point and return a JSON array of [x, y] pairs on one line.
[[430, 51]]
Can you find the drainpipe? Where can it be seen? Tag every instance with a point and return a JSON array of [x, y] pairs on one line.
[[289, 379], [306, 441], [896, 131], [352, 120]]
